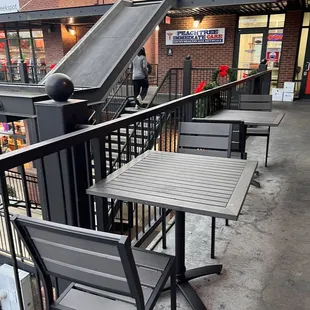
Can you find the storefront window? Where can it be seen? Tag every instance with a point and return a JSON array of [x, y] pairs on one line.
[[264, 41], [26, 45], [306, 22], [3, 59], [277, 20], [302, 52], [299, 74], [250, 51], [13, 136], [274, 48], [253, 21]]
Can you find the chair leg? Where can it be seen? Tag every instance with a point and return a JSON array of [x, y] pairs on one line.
[[173, 288], [267, 150], [213, 237], [164, 229], [226, 222]]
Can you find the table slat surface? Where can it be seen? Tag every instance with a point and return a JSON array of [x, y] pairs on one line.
[[197, 184], [255, 118]]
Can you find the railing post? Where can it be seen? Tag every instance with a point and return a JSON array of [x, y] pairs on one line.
[[265, 80], [23, 72], [65, 174], [187, 76]]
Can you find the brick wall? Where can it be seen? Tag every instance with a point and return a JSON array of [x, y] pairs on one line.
[[34, 5], [68, 40], [60, 41], [151, 48], [290, 44], [202, 55], [53, 45]]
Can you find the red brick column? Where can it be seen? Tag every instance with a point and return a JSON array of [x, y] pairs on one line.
[[207, 56], [290, 44], [151, 48], [53, 45]]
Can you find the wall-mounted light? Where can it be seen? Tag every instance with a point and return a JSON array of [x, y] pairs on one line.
[[157, 28], [71, 20], [197, 20], [71, 30]]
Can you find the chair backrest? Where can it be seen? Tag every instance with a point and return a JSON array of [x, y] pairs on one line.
[[255, 102], [96, 259], [205, 139], [238, 139]]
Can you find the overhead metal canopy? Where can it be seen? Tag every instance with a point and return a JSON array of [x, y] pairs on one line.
[[94, 10], [249, 7]]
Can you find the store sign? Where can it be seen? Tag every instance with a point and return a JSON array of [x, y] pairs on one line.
[[193, 37], [273, 55], [9, 6], [275, 37]]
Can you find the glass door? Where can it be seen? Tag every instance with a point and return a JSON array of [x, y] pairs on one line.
[[251, 49]]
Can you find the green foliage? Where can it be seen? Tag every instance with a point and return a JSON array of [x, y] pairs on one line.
[[11, 191], [253, 72], [232, 75]]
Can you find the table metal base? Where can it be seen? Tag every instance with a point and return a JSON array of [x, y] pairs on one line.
[[256, 183], [187, 290], [183, 275]]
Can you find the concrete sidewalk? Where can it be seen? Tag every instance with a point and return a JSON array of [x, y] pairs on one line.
[[266, 254]]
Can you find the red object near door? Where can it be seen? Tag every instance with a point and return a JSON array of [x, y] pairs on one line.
[[307, 90]]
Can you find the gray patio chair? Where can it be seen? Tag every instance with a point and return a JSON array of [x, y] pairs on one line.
[[257, 103], [208, 139], [104, 271]]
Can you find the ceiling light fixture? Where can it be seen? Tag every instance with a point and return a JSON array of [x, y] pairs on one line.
[[71, 30], [197, 20]]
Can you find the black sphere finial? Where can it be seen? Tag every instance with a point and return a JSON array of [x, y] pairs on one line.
[[188, 57], [59, 87]]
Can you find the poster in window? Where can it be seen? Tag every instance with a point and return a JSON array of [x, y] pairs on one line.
[[273, 54]]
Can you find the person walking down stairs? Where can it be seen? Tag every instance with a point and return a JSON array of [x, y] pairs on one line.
[[140, 77]]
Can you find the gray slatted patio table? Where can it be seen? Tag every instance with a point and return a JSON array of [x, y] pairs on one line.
[[251, 118], [203, 185]]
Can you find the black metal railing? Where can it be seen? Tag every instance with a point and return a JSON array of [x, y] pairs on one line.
[[171, 87], [16, 191], [12, 73], [113, 105], [154, 128]]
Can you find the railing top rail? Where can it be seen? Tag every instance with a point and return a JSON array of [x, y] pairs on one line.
[[44, 148]]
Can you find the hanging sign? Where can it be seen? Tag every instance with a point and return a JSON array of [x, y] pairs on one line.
[[194, 37], [167, 20], [9, 6], [275, 37]]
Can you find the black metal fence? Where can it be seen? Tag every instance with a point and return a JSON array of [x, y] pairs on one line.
[[31, 74], [170, 88], [154, 128]]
